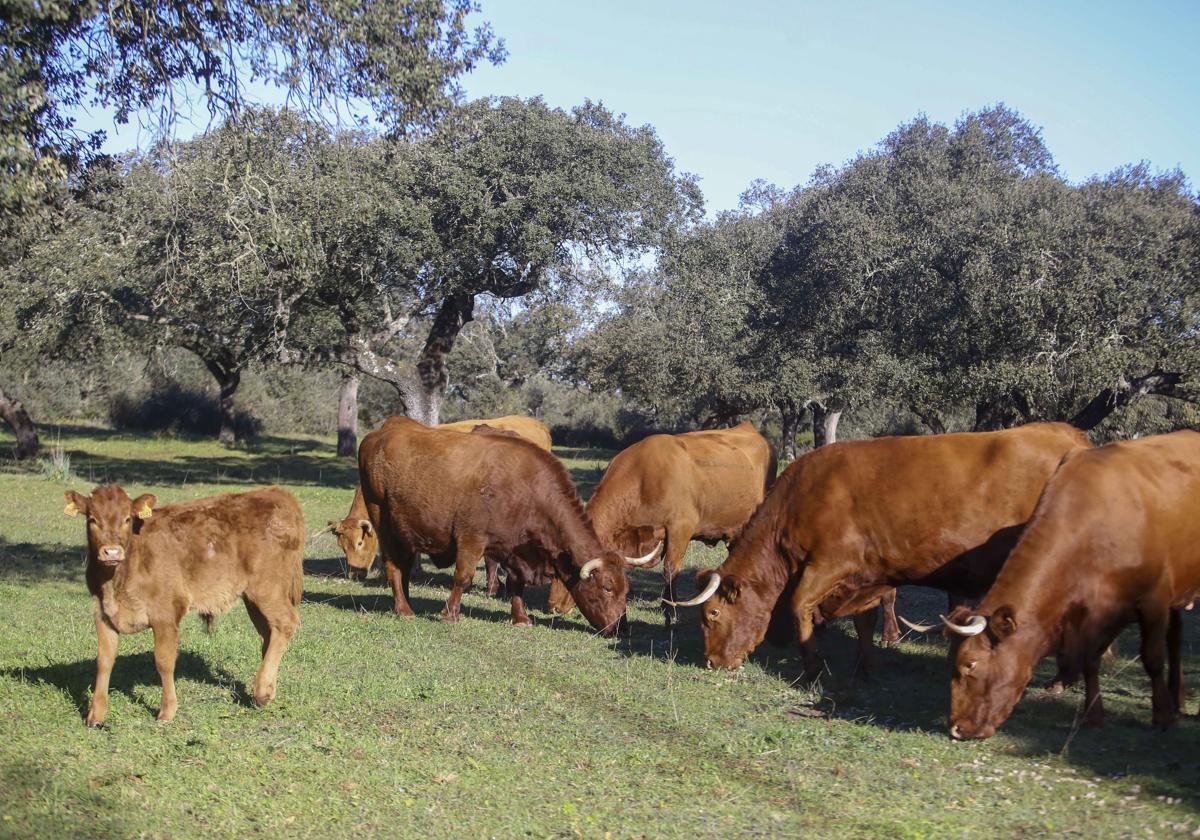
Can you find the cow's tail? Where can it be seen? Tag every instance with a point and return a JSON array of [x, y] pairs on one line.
[[207, 618], [772, 465], [297, 587]]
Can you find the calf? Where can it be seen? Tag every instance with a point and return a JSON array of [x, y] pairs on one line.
[[1115, 537], [149, 567]]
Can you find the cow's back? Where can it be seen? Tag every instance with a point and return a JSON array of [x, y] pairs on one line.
[[1127, 513], [528, 428], [927, 499], [425, 485], [220, 545]]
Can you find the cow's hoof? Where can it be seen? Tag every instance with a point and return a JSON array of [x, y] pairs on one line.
[[450, 618], [165, 716], [523, 623], [1055, 688]]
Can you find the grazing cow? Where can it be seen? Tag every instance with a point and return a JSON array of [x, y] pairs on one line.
[[846, 522], [355, 535], [672, 489], [461, 497], [532, 430], [1115, 537], [148, 567]]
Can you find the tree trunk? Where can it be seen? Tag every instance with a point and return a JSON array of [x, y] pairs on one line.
[[825, 423], [790, 415], [931, 419], [228, 381], [15, 415], [1161, 383], [347, 445], [425, 404]]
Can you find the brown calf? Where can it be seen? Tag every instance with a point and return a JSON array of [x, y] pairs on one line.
[[149, 567]]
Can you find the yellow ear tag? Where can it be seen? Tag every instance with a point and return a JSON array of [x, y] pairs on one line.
[[71, 510], [145, 512]]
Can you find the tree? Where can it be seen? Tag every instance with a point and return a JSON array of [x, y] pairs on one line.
[[403, 61], [522, 197], [957, 266]]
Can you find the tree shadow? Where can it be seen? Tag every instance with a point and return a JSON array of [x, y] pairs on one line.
[[75, 679], [36, 562], [302, 468]]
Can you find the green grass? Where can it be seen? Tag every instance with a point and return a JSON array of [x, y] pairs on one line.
[[413, 728]]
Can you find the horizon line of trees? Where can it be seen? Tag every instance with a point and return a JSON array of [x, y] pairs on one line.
[[947, 278]]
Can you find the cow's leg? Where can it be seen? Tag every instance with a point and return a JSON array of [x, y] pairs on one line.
[[516, 591], [493, 576], [106, 655], [166, 649], [864, 628], [817, 582], [1174, 665], [678, 538], [1093, 706], [398, 566], [466, 561], [560, 600], [1154, 623], [276, 620], [891, 629]]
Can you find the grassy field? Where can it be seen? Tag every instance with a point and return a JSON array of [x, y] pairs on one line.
[[415, 728]]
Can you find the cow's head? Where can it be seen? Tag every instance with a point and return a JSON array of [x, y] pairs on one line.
[[599, 589], [734, 616], [112, 520], [991, 664], [358, 541]]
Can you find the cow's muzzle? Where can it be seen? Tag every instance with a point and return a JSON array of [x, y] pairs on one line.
[[110, 555]]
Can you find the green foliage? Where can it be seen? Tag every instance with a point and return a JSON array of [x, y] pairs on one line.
[[403, 61]]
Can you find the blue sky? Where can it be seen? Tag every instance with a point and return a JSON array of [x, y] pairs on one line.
[[773, 89]]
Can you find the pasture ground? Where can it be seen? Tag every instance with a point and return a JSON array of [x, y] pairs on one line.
[[415, 728]]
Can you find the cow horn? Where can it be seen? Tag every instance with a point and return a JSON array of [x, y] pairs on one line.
[[646, 559], [714, 580], [916, 628], [972, 628], [590, 566], [328, 528]]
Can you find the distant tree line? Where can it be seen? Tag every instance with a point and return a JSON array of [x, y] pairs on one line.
[[502, 255]]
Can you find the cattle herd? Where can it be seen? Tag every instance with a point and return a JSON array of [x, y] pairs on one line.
[[1059, 544]]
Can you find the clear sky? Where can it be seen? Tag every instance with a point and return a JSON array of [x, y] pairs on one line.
[[771, 90]]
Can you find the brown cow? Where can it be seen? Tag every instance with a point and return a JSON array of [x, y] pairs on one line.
[[532, 430], [1115, 537], [672, 489], [356, 537], [846, 522], [148, 567], [460, 497]]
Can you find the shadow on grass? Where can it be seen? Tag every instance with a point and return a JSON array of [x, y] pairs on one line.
[[129, 672], [284, 468], [38, 562]]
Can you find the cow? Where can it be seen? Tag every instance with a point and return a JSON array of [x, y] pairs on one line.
[[848, 521], [532, 430], [1115, 537], [148, 567], [355, 535], [461, 497], [672, 489]]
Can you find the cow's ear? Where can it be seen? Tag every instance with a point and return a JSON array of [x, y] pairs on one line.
[[366, 526], [731, 588], [76, 503], [1003, 623], [143, 506], [646, 539]]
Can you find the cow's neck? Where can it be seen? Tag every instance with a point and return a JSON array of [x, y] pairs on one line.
[[1031, 584], [757, 559], [114, 589], [571, 532], [602, 509]]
